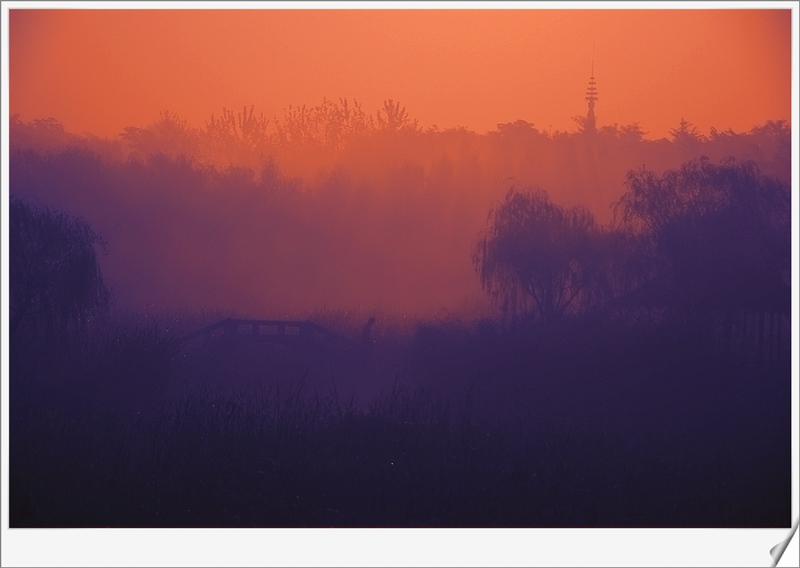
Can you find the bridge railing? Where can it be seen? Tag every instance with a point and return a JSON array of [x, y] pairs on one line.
[[266, 330]]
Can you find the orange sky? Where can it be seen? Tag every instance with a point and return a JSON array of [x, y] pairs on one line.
[[102, 70]]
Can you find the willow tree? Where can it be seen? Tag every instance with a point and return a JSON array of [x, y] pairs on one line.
[[537, 257], [55, 284]]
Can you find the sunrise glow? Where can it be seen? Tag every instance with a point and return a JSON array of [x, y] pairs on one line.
[[99, 71]]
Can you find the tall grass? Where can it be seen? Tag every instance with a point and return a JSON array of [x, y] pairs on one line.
[[480, 428]]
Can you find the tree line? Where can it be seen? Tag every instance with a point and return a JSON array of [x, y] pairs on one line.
[[578, 167]]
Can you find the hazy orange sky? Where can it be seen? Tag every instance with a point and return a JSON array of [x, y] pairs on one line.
[[101, 70]]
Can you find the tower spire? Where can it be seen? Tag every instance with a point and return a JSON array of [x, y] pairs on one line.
[[591, 99]]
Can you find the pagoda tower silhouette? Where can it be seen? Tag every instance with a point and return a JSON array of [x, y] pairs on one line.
[[591, 99]]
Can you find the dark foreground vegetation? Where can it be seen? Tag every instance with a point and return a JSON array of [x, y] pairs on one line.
[[595, 425]]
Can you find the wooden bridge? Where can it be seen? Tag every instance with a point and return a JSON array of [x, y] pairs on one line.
[[267, 331]]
